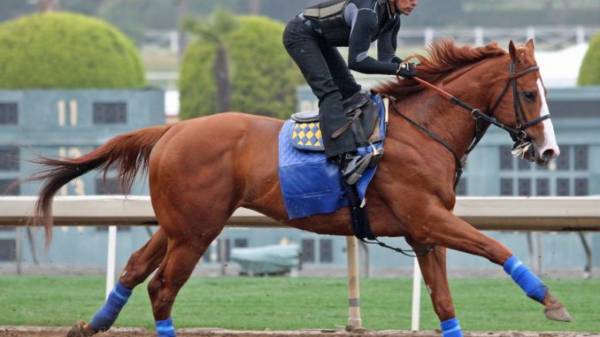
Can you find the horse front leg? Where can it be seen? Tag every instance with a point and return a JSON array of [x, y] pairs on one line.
[[141, 264], [442, 228], [433, 268]]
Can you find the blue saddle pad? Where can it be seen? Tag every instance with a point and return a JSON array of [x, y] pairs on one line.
[[310, 183]]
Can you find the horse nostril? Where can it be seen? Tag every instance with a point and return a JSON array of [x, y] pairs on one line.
[[548, 154]]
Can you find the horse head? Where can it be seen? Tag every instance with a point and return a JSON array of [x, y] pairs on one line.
[[522, 106]]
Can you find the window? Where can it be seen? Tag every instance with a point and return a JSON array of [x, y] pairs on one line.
[[109, 186], [506, 158], [506, 187], [542, 187], [110, 113], [581, 157], [563, 187], [8, 250], [308, 250], [9, 158], [524, 187], [582, 186], [524, 165], [9, 187], [461, 189], [9, 114], [325, 250], [240, 243], [563, 161]]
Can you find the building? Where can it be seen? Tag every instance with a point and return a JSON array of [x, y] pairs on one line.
[[66, 123]]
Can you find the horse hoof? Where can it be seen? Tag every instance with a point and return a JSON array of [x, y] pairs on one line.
[[558, 313], [80, 329]]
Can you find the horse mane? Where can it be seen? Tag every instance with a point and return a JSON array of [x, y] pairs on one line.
[[443, 58]]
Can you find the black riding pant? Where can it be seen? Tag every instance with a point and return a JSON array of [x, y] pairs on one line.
[[328, 76]]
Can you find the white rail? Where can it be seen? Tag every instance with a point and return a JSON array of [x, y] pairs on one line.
[[490, 213]]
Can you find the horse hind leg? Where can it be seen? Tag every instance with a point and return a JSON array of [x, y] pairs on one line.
[[141, 264], [183, 254]]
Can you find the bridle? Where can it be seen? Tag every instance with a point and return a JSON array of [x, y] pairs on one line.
[[517, 133], [483, 121]]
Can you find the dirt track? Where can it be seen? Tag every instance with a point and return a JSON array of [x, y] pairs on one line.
[[61, 332]]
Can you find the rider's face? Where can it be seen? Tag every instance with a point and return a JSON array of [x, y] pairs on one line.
[[405, 6]]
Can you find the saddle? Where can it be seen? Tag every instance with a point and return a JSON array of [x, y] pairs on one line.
[[363, 120], [312, 184]]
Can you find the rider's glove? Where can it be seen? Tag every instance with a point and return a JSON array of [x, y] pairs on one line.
[[407, 70]]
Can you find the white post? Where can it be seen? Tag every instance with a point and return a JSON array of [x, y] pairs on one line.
[[111, 259], [354, 319], [531, 33], [429, 36], [478, 36], [416, 297], [580, 34]]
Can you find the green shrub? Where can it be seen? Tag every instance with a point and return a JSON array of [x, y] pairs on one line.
[[64, 50], [589, 74], [263, 76], [197, 87]]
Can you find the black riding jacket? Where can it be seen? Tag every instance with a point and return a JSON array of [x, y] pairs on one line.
[[370, 20]]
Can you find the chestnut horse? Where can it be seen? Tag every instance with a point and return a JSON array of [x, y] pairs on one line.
[[201, 170]]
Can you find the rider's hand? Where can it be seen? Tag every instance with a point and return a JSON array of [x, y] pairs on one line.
[[407, 70]]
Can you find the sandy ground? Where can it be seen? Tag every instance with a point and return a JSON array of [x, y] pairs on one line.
[[61, 332]]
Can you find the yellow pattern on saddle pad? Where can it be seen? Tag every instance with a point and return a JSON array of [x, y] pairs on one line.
[[307, 136]]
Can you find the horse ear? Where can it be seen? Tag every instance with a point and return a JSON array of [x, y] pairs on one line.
[[512, 49], [530, 45]]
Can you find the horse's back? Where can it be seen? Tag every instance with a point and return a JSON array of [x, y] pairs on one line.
[[223, 132]]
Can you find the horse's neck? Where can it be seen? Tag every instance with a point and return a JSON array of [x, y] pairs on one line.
[[474, 85]]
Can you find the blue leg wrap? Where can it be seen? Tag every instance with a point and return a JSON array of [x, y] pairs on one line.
[[528, 281], [165, 328], [107, 315], [451, 328]]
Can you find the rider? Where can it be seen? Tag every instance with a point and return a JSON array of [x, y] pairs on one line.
[[311, 37]]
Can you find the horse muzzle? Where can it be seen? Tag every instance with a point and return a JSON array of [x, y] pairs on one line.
[[526, 149]]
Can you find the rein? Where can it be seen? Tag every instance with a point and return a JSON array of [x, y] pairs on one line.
[[482, 121]]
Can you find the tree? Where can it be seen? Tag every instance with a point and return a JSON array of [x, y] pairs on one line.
[[589, 74], [263, 77], [65, 50], [214, 31]]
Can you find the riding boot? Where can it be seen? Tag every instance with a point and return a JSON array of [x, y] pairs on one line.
[[358, 100], [332, 117]]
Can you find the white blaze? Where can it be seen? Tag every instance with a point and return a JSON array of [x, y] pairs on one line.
[[549, 136]]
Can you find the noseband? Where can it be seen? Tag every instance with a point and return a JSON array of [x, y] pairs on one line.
[[483, 121]]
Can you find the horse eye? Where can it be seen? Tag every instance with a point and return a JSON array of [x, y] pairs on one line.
[[529, 95]]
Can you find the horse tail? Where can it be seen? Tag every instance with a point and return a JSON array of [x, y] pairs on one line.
[[129, 152]]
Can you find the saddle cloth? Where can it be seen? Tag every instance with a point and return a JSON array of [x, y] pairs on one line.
[[310, 183]]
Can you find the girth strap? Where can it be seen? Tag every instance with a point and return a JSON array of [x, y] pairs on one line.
[[362, 228]]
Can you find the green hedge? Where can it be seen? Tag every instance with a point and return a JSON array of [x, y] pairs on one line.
[[65, 50], [589, 74], [263, 76]]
